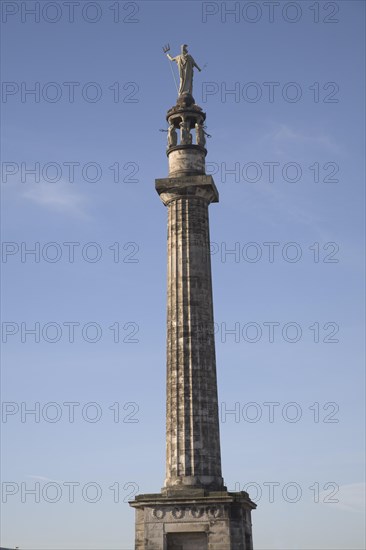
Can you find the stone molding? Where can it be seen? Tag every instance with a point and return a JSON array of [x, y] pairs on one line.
[[196, 186]]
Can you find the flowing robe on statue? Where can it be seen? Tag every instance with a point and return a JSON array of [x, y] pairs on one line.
[[185, 66]]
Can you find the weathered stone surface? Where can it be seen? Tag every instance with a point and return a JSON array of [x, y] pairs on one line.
[[193, 441], [185, 160], [197, 186], [222, 519]]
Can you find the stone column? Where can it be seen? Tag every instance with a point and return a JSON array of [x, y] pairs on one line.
[[192, 423], [194, 509]]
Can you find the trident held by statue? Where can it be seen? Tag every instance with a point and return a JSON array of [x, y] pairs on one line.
[[166, 49]]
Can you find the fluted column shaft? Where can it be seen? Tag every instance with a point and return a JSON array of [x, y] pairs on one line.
[[192, 438]]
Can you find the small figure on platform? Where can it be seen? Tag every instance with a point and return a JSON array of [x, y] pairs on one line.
[[172, 136], [200, 134], [185, 134]]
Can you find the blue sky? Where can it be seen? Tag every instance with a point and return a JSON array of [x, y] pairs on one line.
[[312, 211]]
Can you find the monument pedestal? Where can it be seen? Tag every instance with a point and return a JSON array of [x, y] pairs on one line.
[[193, 519]]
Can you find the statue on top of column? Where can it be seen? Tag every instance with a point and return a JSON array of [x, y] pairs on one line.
[[185, 63]]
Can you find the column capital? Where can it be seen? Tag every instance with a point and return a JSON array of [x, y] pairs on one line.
[[199, 187]]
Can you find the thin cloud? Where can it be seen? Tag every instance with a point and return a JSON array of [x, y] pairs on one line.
[[59, 197], [284, 137], [47, 479], [273, 205], [350, 497]]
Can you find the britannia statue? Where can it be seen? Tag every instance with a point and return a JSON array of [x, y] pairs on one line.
[[185, 64]]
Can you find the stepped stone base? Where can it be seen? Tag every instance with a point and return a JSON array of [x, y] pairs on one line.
[[193, 519]]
